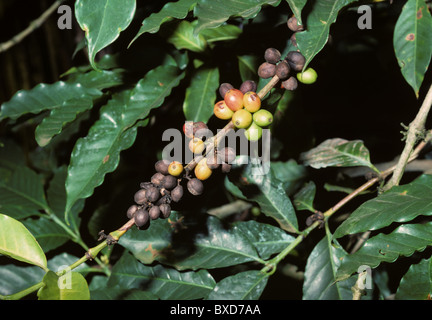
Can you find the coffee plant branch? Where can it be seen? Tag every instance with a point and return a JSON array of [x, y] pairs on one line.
[[271, 264], [415, 132], [35, 24]]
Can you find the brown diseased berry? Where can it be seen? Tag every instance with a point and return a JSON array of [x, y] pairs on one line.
[[169, 182], [200, 129], [131, 211], [272, 55], [195, 187], [295, 60], [293, 24], [157, 178], [283, 70], [165, 210], [177, 193], [248, 85], [154, 212], [140, 196], [266, 70], [290, 84], [152, 194], [161, 166], [224, 88], [141, 217]]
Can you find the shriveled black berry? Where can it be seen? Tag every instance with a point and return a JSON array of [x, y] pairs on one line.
[[248, 85], [227, 154], [141, 217], [146, 185], [283, 70], [131, 211], [154, 212], [195, 186], [290, 84], [295, 60], [266, 70], [161, 166], [152, 194], [140, 196], [293, 24], [224, 88], [272, 55], [157, 178], [165, 210], [169, 182], [177, 193], [226, 167]]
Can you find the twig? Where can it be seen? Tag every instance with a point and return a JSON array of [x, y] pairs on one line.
[[32, 27], [415, 128]]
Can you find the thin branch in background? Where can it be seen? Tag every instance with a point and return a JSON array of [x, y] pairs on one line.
[[416, 127], [35, 24]]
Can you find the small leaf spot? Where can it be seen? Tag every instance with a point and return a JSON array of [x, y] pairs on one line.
[[410, 37], [420, 13], [106, 158]]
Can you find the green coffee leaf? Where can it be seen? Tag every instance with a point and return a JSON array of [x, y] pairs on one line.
[[71, 286], [14, 279], [18, 243], [403, 241], [148, 246], [165, 283], [399, 204], [303, 200], [170, 11], [183, 37], [201, 95], [269, 192], [102, 22], [213, 13], [267, 239], [338, 153], [320, 273], [49, 234], [58, 118], [246, 285], [416, 284], [412, 42], [225, 32], [46, 97], [22, 191], [248, 66], [322, 15], [99, 152]]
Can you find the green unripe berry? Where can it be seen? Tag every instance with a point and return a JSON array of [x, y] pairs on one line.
[[242, 119], [254, 132], [309, 76], [263, 118]]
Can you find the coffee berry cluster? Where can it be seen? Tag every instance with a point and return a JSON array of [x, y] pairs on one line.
[[166, 186], [288, 69], [243, 107]]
